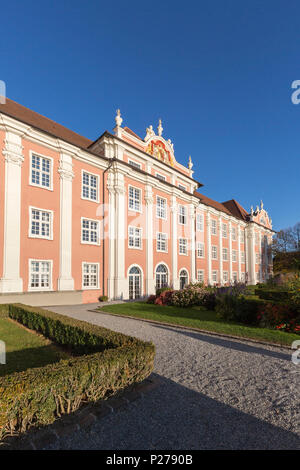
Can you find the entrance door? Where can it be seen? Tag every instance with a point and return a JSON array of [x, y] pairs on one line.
[[134, 283]]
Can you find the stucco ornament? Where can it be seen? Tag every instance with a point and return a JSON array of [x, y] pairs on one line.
[[190, 164], [160, 128], [149, 133], [118, 118]]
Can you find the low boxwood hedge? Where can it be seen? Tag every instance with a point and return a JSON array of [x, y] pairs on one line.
[[273, 294], [109, 361]]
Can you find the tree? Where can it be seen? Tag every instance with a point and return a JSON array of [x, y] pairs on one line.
[[283, 241], [295, 233]]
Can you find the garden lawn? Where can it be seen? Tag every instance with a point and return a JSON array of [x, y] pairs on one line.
[[198, 317], [25, 349]]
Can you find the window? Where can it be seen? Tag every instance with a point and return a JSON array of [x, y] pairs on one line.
[[41, 171], [243, 277], [160, 177], [224, 230], [214, 252], [90, 279], [180, 186], [225, 254], [134, 283], [90, 231], [234, 276], [161, 208], [161, 242], [256, 258], [40, 273], [225, 276], [199, 222], [134, 200], [234, 256], [214, 227], [242, 236], [135, 164], [161, 276], [215, 276], [200, 275], [134, 237], [233, 234], [183, 278], [242, 257], [200, 250], [89, 186], [182, 215], [40, 223], [182, 246]]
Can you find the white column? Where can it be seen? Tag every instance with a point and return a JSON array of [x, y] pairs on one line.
[[251, 254], [209, 278], [193, 245], [150, 284], [230, 252], [239, 252], [220, 252], [175, 278], [121, 286], [260, 257], [111, 236], [11, 281], [65, 280]]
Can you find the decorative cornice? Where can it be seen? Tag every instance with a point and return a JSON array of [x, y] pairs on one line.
[[13, 153]]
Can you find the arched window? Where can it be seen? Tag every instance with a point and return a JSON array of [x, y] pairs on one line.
[[183, 278], [161, 276], [134, 283]]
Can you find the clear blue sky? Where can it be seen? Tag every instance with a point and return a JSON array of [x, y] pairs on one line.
[[218, 73]]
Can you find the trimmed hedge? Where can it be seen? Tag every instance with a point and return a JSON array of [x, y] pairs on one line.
[[38, 396], [273, 294], [240, 309]]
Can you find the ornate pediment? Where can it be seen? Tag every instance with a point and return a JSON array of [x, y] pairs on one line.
[[261, 216], [158, 147]]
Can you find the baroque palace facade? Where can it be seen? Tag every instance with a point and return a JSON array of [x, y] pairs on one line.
[[118, 216]]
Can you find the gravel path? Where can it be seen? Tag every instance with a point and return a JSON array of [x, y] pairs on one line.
[[216, 393]]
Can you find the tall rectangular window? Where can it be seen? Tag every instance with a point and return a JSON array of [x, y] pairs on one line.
[[242, 257], [199, 223], [200, 275], [89, 186], [182, 215], [224, 230], [225, 254], [235, 276], [90, 275], [134, 237], [214, 252], [40, 275], [161, 208], [134, 199], [233, 234], [182, 246], [40, 223], [213, 227], [161, 242], [214, 276], [225, 276], [200, 250], [234, 256], [41, 168], [90, 231]]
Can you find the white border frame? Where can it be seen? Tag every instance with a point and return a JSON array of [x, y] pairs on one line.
[[214, 246], [168, 269], [227, 249], [135, 247], [40, 289], [90, 243], [156, 206], [140, 211], [202, 243], [98, 186], [187, 246], [200, 214], [186, 214], [142, 277], [98, 276], [31, 153], [167, 244], [188, 276], [40, 237], [135, 163], [202, 271]]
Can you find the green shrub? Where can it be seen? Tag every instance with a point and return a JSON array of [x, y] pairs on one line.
[[3, 310], [161, 290], [240, 309], [275, 295], [38, 396], [103, 298]]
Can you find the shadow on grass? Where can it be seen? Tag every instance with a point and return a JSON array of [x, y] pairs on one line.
[[20, 360]]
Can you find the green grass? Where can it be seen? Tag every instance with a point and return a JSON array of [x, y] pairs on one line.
[[197, 317], [25, 349]]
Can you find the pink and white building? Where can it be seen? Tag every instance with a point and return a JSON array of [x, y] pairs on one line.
[[118, 216]]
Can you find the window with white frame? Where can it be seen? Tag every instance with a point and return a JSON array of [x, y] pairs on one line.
[[90, 276], [234, 256], [161, 208], [224, 230], [233, 234], [235, 276], [225, 254], [242, 236], [89, 186], [182, 215], [161, 242], [200, 250], [135, 164], [40, 223], [134, 237], [242, 257], [200, 275], [182, 246], [243, 277], [225, 276], [90, 231], [214, 276], [199, 222], [214, 252], [134, 199], [180, 186], [161, 177], [40, 273], [41, 169], [213, 227]]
